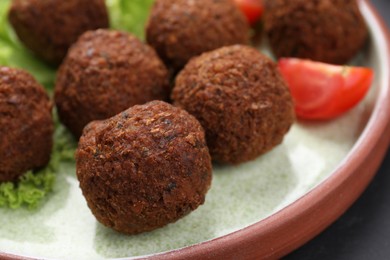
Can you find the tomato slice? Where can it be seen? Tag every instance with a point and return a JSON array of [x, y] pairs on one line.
[[324, 91], [253, 9]]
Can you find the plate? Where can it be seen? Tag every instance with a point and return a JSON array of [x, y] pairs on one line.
[[262, 209]]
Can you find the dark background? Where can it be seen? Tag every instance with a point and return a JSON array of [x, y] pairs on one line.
[[363, 232]]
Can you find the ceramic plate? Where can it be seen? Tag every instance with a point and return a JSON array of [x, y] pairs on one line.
[[264, 208]]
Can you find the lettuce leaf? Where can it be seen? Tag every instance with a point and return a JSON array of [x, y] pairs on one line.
[[33, 187], [129, 15]]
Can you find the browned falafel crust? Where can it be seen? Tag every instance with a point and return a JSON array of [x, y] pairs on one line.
[[49, 28], [182, 29], [144, 168], [104, 73], [331, 31], [26, 125], [241, 100]]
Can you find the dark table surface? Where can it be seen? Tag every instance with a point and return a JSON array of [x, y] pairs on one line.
[[363, 232]]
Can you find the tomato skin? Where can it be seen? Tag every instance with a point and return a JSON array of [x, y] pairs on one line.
[[252, 9], [324, 91]]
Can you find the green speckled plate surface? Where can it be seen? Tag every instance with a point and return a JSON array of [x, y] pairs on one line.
[[64, 228]]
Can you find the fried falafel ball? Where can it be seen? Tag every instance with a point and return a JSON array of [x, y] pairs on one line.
[[104, 73], [182, 29], [49, 28], [241, 100], [144, 168], [331, 31], [26, 124]]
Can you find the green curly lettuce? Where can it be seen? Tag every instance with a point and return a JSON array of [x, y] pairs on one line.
[[29, 191]]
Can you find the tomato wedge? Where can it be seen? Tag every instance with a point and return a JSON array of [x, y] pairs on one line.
[[253, 9], [324, 91]]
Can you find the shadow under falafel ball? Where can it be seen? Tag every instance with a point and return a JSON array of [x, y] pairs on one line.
[[182, 29], [104, 73], [241, 100], [49, 28], [144, 168], [26, 124], [331, 31]]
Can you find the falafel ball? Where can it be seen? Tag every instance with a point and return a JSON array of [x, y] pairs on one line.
[[49, 28], [182, 29], [241, 100], [331, 31], [144, 168], [26, 124], [104, 73]]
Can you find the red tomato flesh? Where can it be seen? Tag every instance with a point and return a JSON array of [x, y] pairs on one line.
[[252, 9], [324, 91]]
